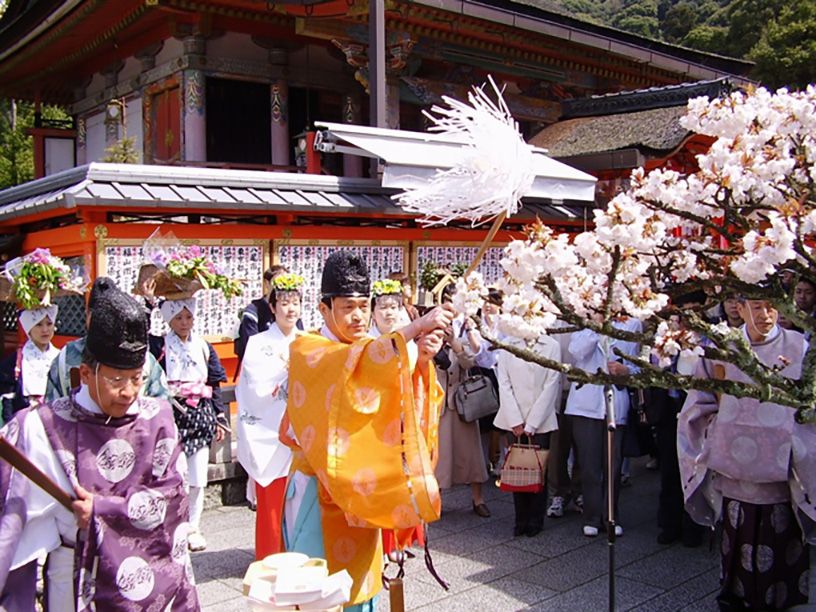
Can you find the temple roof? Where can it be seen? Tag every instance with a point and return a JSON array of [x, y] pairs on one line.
[[656, 130], [163, 188], [644, 119]]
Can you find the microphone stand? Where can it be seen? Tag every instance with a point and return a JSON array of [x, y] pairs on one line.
[[611, 427]]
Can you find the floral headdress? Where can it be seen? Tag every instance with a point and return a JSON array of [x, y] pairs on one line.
[[35, 279], [288, 282], [386, 286], [185, 270]]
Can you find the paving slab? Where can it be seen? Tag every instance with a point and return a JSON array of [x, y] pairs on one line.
[[490, 570]]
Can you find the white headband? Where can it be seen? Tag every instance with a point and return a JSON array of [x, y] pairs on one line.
[[170, 308], [29, 318]]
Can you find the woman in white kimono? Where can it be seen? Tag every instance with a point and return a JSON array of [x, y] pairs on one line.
[[261, 394], [24, 373], [194, 375]]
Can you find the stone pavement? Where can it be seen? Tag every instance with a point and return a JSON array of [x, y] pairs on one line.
[[489, 570]]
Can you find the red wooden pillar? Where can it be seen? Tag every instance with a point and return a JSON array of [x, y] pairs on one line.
[[312, 156]]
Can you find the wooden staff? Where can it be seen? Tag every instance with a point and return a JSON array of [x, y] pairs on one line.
[[494, 229], [396, 596], [22, 464]]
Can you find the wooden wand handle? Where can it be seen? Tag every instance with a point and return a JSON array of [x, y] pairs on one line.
[[491, 234], [22, 464]]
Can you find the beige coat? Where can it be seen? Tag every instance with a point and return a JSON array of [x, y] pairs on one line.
[[461, 460], [529, 394]]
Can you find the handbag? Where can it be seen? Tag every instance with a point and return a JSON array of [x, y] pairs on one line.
[[524, 468], [475, 397]]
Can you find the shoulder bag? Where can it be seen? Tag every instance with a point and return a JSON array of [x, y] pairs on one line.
[[475, 397]]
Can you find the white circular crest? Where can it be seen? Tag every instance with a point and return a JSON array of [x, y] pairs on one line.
[[115, 460], [179, 552], [161, 455], [68, 462], [147, 509], [135, 579]]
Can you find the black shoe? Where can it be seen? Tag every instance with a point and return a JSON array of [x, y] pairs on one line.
[[519, 531], [667, 536], [481, 510], [532, 532]]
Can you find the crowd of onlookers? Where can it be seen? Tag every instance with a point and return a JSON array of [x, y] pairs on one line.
[[570, 419]]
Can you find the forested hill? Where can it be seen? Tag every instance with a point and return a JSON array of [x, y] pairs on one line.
[[779, 35]]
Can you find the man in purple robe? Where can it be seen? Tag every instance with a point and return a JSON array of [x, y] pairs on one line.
[[124, 546], [749, 464]]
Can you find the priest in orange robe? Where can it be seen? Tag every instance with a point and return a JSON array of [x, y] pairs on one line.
[[363, 427]]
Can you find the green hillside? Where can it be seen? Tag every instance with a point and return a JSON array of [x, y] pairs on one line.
[[779, 35]]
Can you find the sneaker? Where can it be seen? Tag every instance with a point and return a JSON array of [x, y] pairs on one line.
[[626, 480], [590, 531], [579, 503], [651, 464], [556, 509], [618, 531], [196, 541]]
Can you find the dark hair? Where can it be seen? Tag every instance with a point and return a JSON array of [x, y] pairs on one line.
[[448, 291], [692, 297], [273, 298], [327, 300], [274, 271], [374, 298], [400, 276], [495, 297]]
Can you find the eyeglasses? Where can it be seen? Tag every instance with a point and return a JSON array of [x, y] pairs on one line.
[[118, 383]]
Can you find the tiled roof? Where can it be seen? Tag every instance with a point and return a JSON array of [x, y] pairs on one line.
[[653, 131], [177, 187]]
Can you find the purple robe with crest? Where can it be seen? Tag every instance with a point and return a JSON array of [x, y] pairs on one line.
[[134, 554], [745, 449]]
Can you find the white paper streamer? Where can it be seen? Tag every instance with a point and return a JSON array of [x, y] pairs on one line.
[[495, 170]]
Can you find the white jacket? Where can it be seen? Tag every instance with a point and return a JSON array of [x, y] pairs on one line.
[[529, 393]]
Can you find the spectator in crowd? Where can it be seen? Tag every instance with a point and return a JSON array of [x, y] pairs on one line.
[[563, 475], [664, 406], [486, 364], [730, 308], [804, 295], [24, 373], [750, 463], [529, 395], [194, 374], [461, 459], [586, 407]]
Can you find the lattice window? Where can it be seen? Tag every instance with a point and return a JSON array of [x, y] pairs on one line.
[[71, 315], [8, 310]]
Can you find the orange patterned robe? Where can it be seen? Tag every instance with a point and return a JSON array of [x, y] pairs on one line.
[[366, 427]]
